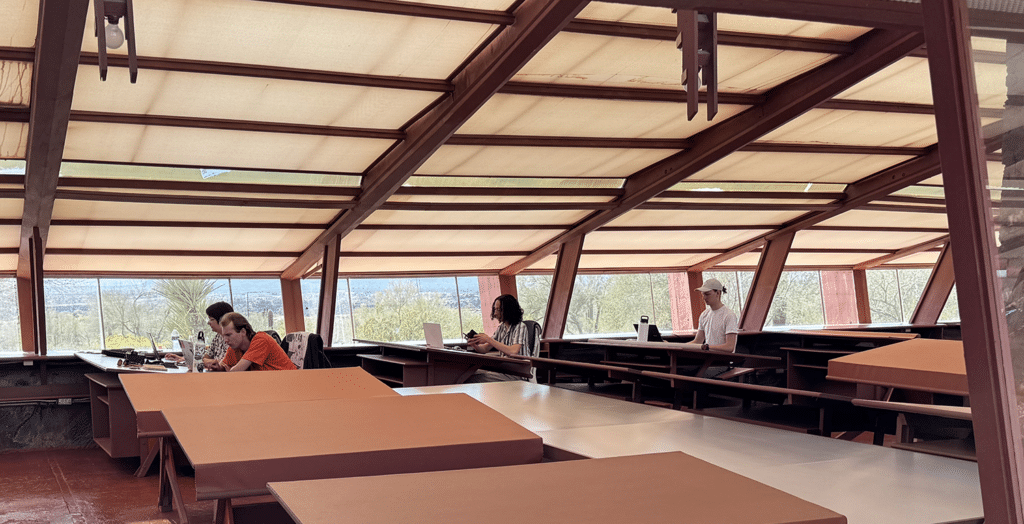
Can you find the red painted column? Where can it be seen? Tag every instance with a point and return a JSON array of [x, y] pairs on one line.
[[839, 297], [679, 297], [490, 289]]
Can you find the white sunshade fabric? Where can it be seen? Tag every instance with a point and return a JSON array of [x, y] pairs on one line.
[[219, 148], [868, 240], [660, 217], [163, 265], [20, 22], [573, 58], [550, 116], [64, 209], [540, 161], [688, 239], [15, 83], [496, 217], [180, 238], [835, 168], [239, 98], [239, 31], [443, 241], [13, 139]]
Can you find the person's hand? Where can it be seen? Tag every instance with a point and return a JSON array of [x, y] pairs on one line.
[[215, 366], [174, 358], [705, 346]]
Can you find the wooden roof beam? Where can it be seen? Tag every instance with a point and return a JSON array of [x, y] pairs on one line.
[[537, 22], [905, 252], [875, 50], [58, 44]]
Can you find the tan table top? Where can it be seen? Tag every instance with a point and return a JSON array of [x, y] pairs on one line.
[[866, 335], [236, 450], [150, 393], [665, 487], [922, 364]]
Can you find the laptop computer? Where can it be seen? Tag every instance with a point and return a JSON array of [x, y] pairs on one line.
[[189, 352], [432, 334], [653, 335]]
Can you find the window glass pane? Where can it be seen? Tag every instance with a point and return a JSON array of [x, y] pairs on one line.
[[662, 302], [912, 282], [884, 296], [72, 314], [395, 309], [729, 279], [311, 303], [470, 313], [259, 301], [951, 311], [135, 309], [342, 330], [797, 300], [610, 303], [10, 324], [746, 279], [533, 293]]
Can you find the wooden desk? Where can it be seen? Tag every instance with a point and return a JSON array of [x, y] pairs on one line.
[[113, 420], [408, 365], [676, 351], [868, 484], [861, 335], [935, 366], [237, 450], [151, 393], [665, 487]]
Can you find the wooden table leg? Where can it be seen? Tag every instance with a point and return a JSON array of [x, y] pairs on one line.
[[154, 451], [224, 514], [170, 491]]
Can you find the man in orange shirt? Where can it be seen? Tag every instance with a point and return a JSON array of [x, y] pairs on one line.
[[248, 349]]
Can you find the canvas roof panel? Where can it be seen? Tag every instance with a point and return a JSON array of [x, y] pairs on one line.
[[573, 58], [832, 168], [20, 22], [198, 238], [709, 240], [198, 174], [873, 218], [860, 239], [661, 217], [132, 211], [540, 161], [411, 265], [907, 81], [13, 139], [449, 241], [15, 82], [219, 148], [829, 126], [317, 39], [497, 217], [229, 97], [105, 264]]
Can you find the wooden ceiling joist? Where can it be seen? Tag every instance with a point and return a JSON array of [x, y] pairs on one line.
[[397, 7], [905, 252], [875, 50], [537, 21], [58, 44]]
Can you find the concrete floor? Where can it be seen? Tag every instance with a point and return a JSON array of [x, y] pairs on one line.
[[85, 486]]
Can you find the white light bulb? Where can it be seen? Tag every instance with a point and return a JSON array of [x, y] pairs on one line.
[[115, 38]]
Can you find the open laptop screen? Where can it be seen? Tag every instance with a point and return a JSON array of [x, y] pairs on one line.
[[653, 335], [432, 334]]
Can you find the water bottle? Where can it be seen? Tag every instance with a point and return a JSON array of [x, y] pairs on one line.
[[642, 329], [200, 351]]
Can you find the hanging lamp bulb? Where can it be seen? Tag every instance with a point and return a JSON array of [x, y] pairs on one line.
[[114, 36]]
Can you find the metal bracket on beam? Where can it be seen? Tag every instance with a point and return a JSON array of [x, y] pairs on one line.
[[697, 38]]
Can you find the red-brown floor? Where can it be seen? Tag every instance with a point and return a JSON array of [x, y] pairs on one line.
[[85, 486]]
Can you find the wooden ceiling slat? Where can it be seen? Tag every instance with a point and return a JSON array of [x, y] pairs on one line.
[[196, 200]]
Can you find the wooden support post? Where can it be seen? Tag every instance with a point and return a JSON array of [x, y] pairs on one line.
[[294, 312], [26, 315], [936, 291], [983, 323], [507, 284], [561, 287], [838, 294], [697, 306], [766, 280], [860, 286], [328, 290], [35, 249]]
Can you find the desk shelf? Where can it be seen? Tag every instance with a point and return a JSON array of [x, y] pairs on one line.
[[396, 370], [113, 419]]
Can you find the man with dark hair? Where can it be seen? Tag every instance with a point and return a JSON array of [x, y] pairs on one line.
[[248, 349], [511, 338]]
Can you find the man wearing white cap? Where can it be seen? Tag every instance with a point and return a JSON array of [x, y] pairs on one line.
[[717, 326]]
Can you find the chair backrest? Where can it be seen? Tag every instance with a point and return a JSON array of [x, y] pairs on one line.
[[533, 334], [306, 350]]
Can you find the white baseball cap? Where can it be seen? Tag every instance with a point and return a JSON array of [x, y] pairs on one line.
[[711, 284]]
